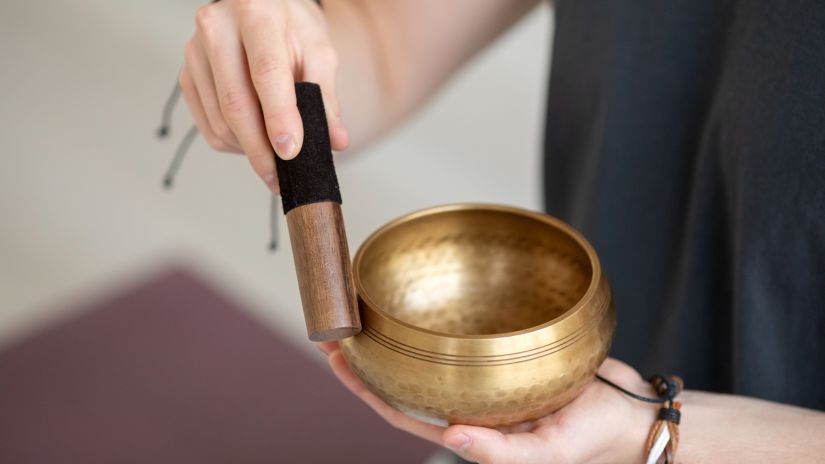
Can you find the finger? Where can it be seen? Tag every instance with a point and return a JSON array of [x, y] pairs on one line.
[[517, 428], [198, 68], [327, 347], [236, 96], [479, 444], [320, 67], [193, 102], [395, 418], [263, 32]]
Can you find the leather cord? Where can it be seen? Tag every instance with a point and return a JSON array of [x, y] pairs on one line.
[[669, 416]]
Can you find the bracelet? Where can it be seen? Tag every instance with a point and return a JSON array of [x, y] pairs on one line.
[[663, 439]]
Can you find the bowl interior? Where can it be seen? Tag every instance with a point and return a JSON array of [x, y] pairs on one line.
[[473, 271]]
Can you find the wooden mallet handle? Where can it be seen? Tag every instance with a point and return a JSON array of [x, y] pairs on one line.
[[312, 204]]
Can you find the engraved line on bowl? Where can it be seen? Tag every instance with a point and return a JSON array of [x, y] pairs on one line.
[[470, 358], [515, 355], [470, 362], [456, 363]]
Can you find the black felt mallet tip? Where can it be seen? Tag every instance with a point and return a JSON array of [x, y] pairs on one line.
[[310, 176]]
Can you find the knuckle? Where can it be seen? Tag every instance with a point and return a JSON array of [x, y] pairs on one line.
[[223, 132], [265, 66], [205, 18], [233, 102], [216, 143]]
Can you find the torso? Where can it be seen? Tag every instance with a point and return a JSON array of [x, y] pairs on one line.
[[686, 139]]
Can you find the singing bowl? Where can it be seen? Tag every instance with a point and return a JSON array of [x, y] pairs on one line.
[[479, 314]]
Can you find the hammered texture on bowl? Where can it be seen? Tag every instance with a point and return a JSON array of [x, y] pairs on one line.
[[479, 315], [476, 283], [487, 396]]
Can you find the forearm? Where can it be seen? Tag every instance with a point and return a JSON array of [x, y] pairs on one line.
[[395, 54], [360, 87], [726, 428]]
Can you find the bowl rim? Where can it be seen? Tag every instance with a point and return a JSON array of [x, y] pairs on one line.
[[589, 294]]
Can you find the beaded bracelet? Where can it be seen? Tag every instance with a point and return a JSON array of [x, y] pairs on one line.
[[663, 439]]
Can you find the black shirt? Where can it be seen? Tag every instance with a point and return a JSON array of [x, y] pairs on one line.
[[686, 140]]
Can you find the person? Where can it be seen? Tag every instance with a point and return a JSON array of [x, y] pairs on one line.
[[686, 139]]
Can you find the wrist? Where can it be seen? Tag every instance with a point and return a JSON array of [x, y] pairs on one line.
[[643, 421], [637, 418], [644, 417], [647, 414]]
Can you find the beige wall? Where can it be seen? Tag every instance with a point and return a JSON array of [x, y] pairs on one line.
[[81, 209]]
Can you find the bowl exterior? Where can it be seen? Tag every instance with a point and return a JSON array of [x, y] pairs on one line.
[[490, 381]]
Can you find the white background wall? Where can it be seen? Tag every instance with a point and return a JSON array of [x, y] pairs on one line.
[[81, 208]]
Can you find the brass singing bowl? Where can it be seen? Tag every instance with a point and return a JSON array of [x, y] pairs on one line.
[[479, 314]]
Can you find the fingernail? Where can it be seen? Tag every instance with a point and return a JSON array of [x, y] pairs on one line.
[[457, 442], [285, 146]]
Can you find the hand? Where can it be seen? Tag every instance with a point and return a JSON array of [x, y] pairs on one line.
[[601, 425], [239, 73]]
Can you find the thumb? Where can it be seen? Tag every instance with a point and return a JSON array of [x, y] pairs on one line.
[[483, 445]]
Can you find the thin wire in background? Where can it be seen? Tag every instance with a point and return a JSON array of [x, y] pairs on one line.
[[169, 177]]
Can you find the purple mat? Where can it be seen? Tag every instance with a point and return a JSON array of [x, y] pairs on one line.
[[173, 372]]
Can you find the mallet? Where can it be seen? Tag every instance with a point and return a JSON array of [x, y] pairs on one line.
[[312, 204]]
